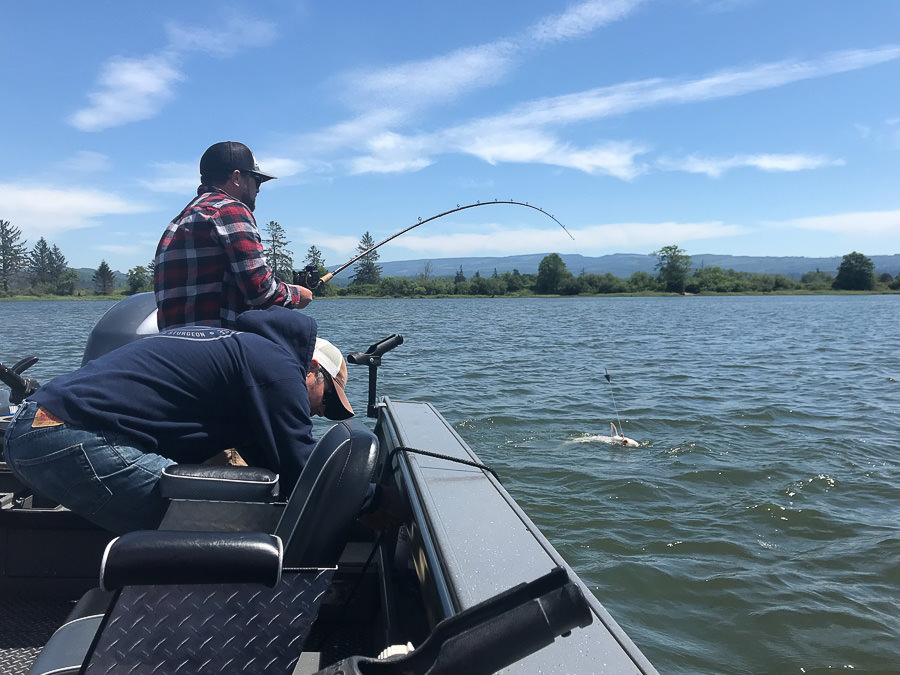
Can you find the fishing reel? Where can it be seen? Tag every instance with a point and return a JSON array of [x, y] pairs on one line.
[[309, 276]]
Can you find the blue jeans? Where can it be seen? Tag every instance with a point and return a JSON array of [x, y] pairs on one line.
[[100, 475]]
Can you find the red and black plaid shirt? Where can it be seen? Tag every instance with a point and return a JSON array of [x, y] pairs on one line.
[[210, 266]]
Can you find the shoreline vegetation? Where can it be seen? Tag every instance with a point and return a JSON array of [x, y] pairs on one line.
[[365, 296], [44, 275]]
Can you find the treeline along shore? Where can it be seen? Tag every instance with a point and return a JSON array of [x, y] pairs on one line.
[[43, 273], [673, 276]]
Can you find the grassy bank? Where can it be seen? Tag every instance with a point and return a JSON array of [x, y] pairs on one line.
[[27, 298]]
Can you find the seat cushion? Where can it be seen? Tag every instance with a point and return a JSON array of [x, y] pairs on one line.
[[219, 483]]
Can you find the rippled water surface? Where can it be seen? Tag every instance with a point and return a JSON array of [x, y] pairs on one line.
[[757, 527]]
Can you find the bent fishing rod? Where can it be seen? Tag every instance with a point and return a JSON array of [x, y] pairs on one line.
[[309, 275]]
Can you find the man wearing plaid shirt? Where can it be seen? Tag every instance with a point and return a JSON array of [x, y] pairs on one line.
[[210, 264]]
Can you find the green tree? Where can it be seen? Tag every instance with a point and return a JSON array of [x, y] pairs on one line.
[[367, 269], [856, 273], [783, 283], [58, 263], [641, 281], [13, 253], [62, 279], [280, 259], [817, 280], [439, 286], [672, 266], [514, 281], [104, 279], [487, 286], [712, 279], [600, 283], [41, 265], [139, 280], [460, 277], [65, 283], [315, 258], [551, 273]]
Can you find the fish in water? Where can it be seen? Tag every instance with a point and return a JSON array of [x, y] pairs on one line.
[[615, 438], [619, 439]]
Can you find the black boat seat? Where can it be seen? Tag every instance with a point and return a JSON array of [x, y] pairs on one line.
[[219, 483], [151, 557], [328, 497], [210, 602], [319, 514], [214, 581]]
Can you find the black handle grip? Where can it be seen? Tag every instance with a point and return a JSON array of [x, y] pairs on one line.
[[374, 353], [20, 387]]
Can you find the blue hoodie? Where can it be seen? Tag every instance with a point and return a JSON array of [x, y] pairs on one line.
[[188, 393]]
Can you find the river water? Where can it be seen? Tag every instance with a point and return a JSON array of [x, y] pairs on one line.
[[757, 527]]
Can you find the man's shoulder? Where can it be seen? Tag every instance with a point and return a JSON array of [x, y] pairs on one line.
[[222, 212]]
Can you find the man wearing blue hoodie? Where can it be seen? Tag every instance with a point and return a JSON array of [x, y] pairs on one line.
[[96, 440]]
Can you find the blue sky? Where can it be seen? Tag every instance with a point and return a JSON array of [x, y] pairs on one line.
[[745, 127]]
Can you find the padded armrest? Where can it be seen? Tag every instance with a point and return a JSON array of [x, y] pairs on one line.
[[219, 483], [148, 557]]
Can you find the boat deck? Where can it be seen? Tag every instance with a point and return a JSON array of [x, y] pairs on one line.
[[25, 626]]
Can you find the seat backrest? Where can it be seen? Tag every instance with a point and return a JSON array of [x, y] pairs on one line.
[[326, 500]]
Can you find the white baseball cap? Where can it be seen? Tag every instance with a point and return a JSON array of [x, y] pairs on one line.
[[332, 361]]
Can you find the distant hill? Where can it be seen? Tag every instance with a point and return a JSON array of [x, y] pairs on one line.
[[622, 265]]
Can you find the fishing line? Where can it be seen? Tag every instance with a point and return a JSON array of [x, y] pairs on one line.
[[309, 276], [615, 407]]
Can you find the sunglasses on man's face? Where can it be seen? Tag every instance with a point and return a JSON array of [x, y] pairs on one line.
[[254, 177]]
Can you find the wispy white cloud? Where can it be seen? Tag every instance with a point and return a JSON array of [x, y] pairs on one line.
[[716, 166], [172, 177], [134, 89], [129, 90], [530, 132], [413, 85], [614, 158], [859, 223], [338, 249], [40, 211], [225, 39], [84, 163], [281, 167], [407, 87], [629, 97], [391, 95], [581, 20], [496, 239], [390, 152]]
